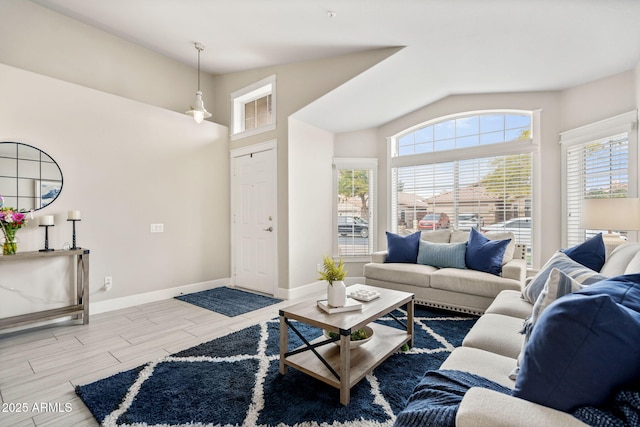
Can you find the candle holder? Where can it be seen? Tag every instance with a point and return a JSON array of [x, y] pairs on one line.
[[73, 242], [46, 238]]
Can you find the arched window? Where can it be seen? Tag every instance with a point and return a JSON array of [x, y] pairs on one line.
[[465, 171]]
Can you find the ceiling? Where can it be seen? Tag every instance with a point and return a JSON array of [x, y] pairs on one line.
[[450, 46]]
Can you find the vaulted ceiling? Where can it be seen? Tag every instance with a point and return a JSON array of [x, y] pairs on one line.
[[448, 46]]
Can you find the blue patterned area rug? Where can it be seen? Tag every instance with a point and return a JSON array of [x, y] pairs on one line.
[[234, 381], [227, 301]]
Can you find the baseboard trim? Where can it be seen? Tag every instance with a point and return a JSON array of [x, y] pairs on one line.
[[312, 289], [149, 297], [138, 299]]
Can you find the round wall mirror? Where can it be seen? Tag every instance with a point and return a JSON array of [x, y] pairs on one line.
[[29, 178]]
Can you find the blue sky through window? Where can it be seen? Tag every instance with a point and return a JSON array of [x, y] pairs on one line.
[[465, 132]]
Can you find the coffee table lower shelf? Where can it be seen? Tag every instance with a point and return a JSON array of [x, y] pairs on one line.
[[386, 341]]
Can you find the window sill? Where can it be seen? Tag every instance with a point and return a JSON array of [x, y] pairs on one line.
[[356, 259], [252, 132]]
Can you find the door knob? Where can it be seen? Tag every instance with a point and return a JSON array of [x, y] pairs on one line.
[[268, 229]]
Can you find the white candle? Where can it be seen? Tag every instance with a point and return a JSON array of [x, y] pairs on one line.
[[74, 215], [46, 220]]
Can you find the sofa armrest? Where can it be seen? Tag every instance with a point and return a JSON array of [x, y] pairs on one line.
[[379, 257], [515, 269], [483, 407]]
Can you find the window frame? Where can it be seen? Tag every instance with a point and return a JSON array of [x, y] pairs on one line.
[[626, 123], [370, 164], [247, 94]]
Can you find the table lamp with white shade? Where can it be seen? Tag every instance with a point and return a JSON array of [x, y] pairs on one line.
[[611, 214]]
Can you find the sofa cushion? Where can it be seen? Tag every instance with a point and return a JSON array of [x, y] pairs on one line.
[[402, 248], [410, 274], [590, 253], [583, 347], [436, 236], [480, 362], [496, 333], [509, 303], [442, 254], [575, 270], [471, 282], [484, 254], [481, 407], [458, 236], [634, 265], [620, 260]]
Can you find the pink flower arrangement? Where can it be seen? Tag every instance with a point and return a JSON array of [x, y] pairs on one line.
[[10, 221]]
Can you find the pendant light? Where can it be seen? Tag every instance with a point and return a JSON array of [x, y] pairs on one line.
[[199, 113]]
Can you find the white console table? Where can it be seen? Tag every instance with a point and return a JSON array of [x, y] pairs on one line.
[[80, 307]]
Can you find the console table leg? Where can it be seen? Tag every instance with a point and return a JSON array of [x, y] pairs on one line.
[[84, 259]]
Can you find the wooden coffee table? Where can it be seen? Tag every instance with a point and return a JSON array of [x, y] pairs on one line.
[[340, 366]]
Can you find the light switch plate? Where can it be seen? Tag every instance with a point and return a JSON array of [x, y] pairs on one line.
[[157, 228]]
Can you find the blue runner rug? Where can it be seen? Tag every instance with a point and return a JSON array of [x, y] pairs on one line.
[[227, 301], [234, 381]]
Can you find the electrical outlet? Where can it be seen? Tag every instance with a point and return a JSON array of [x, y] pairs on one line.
[[108, 283], [157, 228]]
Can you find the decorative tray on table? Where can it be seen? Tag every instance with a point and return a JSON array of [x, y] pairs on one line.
[[363, 295]]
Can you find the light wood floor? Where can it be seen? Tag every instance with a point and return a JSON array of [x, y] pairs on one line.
[[43, 365]]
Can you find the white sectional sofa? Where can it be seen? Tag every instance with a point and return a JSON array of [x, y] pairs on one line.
[[457, 289], [492, 347]]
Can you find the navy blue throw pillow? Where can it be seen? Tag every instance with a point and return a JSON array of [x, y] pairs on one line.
[[591, 253], [484, 254], [584, 347], [403, 248], [624, 290]]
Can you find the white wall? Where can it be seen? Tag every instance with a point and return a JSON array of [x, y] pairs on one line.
[[356, 144], [310, 200], [37, 39], [599, 100], [125, 165]]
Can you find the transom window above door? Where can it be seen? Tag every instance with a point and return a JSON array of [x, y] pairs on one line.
[[253, 108]]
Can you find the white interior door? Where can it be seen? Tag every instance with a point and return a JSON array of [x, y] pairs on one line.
[[254, 208]]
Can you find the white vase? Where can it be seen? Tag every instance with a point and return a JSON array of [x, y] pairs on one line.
[[337, 294]]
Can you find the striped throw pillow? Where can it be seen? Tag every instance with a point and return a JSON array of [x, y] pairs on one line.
[[578, 272]]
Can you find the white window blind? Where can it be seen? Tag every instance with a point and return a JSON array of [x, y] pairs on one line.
[[594, 169], [356, 204], [472, 193]]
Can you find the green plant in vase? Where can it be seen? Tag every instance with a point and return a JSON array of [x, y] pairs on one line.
[[334, 274]]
